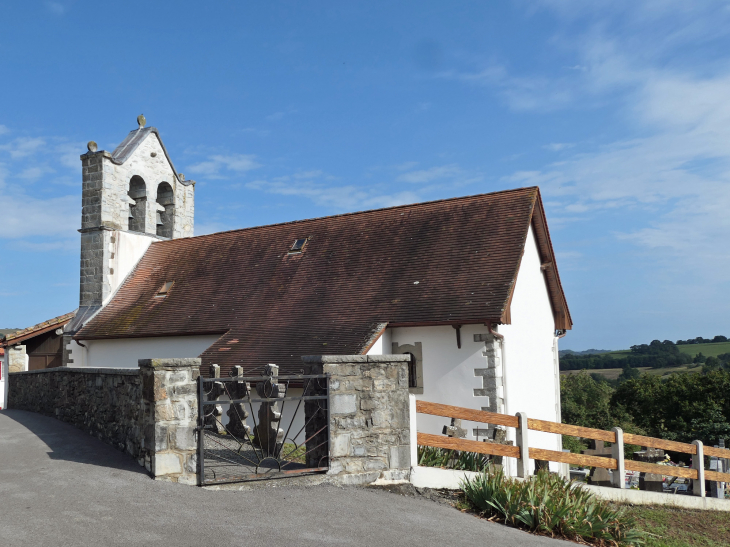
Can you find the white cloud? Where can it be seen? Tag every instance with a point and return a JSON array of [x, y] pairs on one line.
[[23, 147], [345, 198], [558, 146], [26, 216], [428, 175], [223, 166], [56, 8], [4, 129]]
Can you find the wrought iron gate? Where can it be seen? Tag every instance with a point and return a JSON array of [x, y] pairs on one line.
[[274, 426]]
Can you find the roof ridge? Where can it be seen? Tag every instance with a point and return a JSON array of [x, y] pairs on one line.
[[354, 213], [41, 325]]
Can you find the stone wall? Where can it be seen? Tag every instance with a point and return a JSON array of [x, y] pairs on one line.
[[104, 402], [17, 358], [170, 415], [150, 413], [369, 415]]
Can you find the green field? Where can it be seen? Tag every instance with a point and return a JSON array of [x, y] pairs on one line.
[[708, 350], [613, 373]]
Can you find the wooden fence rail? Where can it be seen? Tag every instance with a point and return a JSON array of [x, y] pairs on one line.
[[617, 437]]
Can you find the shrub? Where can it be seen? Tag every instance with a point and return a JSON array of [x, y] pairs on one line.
[[548, 504]]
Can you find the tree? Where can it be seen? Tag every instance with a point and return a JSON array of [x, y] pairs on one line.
[[699, 358], [628, 374], [683, 407]]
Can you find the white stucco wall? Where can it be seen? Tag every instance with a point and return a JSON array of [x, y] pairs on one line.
[[532, 381], [3, 380], [448, 372], [126, 250], [125, 353]]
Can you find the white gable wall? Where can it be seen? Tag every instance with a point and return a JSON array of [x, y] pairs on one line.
[[532, 381]]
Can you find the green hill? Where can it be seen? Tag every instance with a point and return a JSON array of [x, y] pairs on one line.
[[708, 350]]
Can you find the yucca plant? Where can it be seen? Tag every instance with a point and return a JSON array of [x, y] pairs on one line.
[[548, 504], [429, 456]]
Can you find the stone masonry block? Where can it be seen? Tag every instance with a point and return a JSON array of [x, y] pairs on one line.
[[167, 464], [344, 404]]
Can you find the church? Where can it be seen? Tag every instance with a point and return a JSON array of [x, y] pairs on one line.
[[468, 287]]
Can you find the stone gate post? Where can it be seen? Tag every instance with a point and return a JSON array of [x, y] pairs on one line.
[[169, 413], [369, 415]]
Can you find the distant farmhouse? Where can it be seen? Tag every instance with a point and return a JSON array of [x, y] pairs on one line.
[[468, 287]]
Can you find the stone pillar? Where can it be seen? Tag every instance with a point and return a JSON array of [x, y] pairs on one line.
[[369, 415], [169, 418], [17, 359]]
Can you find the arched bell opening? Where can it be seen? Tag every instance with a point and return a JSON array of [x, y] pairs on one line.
[[138, 209], [166, 216]]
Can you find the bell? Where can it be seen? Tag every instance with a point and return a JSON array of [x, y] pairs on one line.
[[159, 219], [130, 211]]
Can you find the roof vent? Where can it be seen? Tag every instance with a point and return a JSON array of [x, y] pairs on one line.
[[298, 246], [165, 289]]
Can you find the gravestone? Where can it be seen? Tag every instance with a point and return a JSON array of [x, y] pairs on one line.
[[499, 436], [599, 476], [268, 433], [454, 430], [651, 482], [213, 417], [237, 413]]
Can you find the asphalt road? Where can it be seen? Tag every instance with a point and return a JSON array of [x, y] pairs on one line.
[[60, 487]]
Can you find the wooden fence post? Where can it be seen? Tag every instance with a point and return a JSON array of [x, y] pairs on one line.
[[698, 463], [617, 453], [523, 464]]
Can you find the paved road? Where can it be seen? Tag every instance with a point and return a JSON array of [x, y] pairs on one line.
[[60, 487]]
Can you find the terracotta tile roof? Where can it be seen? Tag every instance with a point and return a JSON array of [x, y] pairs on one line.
[[444, 262], [40, 328]]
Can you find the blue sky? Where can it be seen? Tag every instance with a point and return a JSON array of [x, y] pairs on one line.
[[619, 111]]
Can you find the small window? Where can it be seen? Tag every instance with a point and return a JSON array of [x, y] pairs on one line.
[[165, 288], [412, 371], [298, 246]]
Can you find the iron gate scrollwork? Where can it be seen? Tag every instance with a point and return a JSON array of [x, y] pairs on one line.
[[274, 426]]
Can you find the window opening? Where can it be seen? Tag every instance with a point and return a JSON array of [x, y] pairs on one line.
[[165, 288], [298, 246], [138, 209], [165, 209], [412, 371]]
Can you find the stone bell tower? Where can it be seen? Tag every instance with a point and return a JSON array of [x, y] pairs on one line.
[[131, 198]]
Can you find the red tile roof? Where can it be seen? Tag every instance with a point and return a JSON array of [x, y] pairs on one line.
[[35, 330], [444, 262]]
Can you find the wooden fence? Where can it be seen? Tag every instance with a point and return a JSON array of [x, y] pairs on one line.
[[616, 462]]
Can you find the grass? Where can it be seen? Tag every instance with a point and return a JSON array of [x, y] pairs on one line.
[[670, 527]]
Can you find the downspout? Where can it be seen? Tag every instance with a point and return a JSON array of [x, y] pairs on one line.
[[559, 333]]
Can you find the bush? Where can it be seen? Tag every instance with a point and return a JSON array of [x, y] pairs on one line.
[[550, 505], [429, 456]]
